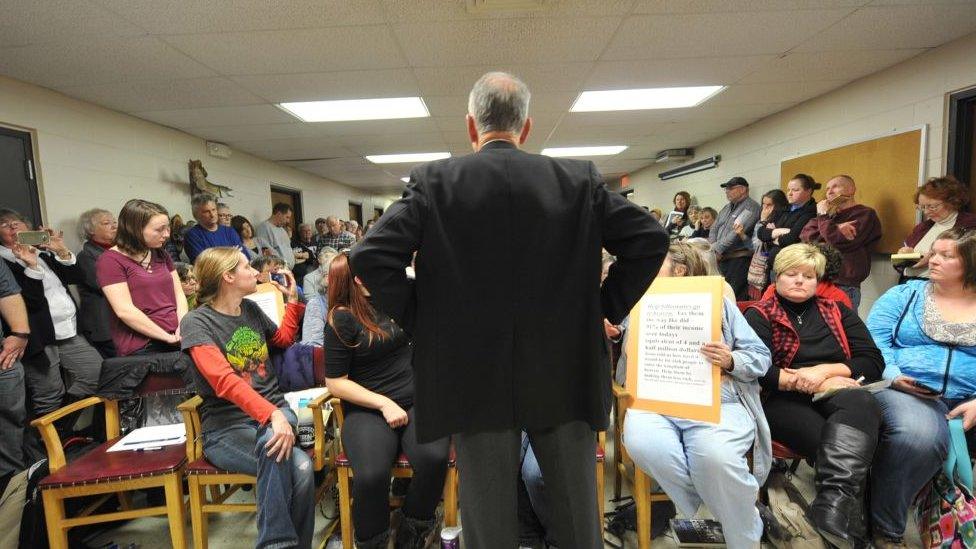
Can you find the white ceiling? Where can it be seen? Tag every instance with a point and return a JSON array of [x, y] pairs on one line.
[[215, 68]]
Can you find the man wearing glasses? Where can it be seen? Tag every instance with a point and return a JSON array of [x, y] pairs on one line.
[[854, 229]]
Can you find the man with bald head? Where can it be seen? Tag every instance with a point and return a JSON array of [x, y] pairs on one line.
[[507, 311], [852, 228]]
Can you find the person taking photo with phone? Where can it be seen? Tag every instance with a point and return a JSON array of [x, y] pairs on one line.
[[926, 330]]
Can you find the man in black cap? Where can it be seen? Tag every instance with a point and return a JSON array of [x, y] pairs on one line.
[[734, 252]]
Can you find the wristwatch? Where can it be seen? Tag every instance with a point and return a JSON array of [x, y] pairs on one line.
[[21, 335]]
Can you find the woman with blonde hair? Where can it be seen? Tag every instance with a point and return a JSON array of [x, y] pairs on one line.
[[703, 463], [247, 426], [819, 345]]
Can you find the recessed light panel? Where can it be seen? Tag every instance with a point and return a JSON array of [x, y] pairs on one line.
[[404, 158], [357, 109], [643, 99], [608, 150]]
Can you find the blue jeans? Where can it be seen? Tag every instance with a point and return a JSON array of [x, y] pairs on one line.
[[697, 462], [13, 418], [853, 292], [535, 487], [913, 445], [286, 490]]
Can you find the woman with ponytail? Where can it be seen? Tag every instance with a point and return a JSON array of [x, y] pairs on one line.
[[247, 426], [368, 366]]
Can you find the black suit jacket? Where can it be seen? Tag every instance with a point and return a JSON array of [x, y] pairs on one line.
[[507, 311], [38, 311], [93, 315]]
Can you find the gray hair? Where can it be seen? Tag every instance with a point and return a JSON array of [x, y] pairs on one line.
[[86, 223], [222, 206], [499, 102], [202, 199], [704, 249], [326, 255]]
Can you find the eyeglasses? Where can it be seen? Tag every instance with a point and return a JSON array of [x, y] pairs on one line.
[[929, 207]]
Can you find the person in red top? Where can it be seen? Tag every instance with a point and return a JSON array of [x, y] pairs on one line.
[[247, 427]]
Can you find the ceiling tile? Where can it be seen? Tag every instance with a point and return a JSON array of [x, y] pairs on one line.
[[832, 65], [702, 35], [331, 85], [650, 73], [132, 96], [182, 17], [293, 51], [392, 143], [510, 41], [554, 77], [758, 94], [896, 27], [295, 148], [28, 22], [717, 6], [254, 132], [443, 10], [217, 116], [98, 60]]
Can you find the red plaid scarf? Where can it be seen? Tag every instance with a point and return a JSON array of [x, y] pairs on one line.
[[786, 342]]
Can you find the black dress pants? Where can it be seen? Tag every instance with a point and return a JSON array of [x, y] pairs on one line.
[[489, 467], [736, 273]]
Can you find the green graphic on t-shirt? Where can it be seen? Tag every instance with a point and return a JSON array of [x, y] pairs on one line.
[[247, 351]]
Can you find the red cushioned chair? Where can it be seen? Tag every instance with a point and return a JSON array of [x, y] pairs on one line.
[[210, 487], [401, 469], [107, 474]]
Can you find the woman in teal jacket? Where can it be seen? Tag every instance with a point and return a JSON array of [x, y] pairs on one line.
[[926, 331]]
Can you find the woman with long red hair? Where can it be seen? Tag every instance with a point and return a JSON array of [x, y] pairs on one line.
[[368, 366]]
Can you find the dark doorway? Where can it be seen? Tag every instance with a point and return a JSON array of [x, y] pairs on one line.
[[356, 213], [291, 197], [961, 161], [18, 174]]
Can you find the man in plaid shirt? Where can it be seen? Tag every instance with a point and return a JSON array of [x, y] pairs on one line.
[[335, 237]]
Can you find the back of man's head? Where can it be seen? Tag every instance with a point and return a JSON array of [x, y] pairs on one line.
[[499, 102]]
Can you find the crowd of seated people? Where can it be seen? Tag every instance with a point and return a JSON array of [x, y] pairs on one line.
[[147, 283]]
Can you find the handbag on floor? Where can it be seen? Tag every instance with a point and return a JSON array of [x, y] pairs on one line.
[[946, 511], [785, 520]]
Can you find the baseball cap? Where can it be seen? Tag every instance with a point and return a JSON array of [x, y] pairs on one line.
[[734, 182]]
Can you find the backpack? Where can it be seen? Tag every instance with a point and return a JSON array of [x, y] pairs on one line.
[[946, 512], [785, 519], [624, 518]]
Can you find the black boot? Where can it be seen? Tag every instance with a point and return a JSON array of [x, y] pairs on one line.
[[841, 474], [379, 541], [414, 533]]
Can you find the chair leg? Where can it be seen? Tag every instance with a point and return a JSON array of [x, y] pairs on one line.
[[174, 510], [57, 535], [198, 520], [345, 508], [600, 498], [642, 499], [450, 497]]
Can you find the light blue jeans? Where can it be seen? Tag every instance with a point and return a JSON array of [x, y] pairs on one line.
[[285, 492], [697, 462], [913, 445]]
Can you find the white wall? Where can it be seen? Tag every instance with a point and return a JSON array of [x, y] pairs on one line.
[[909, 94], [89, 156]]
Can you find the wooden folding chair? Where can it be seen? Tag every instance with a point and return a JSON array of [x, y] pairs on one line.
[[401, 469], [210, 487], [108, 474]]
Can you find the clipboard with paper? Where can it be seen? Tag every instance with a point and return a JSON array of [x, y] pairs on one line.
[[666, 371], [270, 300]]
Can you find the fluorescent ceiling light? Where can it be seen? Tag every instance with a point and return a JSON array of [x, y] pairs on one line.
[[584, 151], [405, 179], [404, 158], [647, 98], [357, 109]]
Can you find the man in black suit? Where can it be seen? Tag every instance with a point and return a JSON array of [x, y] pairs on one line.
[[507, 310]]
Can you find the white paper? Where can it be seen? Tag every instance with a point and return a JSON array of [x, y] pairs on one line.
[[151, 437], [671, 367], [294, 397], [268, 302]]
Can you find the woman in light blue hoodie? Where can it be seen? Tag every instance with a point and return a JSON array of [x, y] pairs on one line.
[[926, 331], [697, 462]]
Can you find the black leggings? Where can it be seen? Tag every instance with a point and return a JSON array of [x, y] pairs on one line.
[[797, 422], [372, 445]]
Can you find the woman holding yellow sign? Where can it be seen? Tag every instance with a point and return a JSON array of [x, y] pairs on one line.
[[699, 462]]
